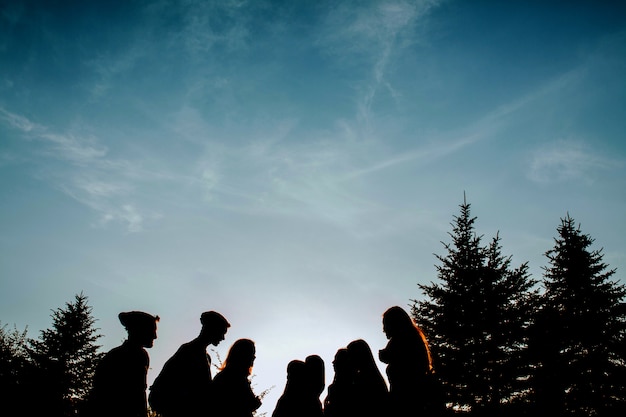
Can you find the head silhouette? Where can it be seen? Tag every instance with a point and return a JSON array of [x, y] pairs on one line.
[[241, 356], [296, 374], [361, 356], [317, 375], [141, 327], [396, 322], [214, 327], [342, 363]]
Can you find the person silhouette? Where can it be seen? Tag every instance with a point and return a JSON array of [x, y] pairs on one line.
[[370, 388], [182, 388], [232, 393], [409, 364], [340, 400], [298, 398], [317, 378], [119, 383]]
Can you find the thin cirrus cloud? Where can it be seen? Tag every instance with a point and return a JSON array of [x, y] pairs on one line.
[[17, 121], [303, 177], [107, 68], [486, 127], [77, 150], [271, 176], [369, 28], [193, 40], [198, 33], [372, 33], [279, 175], [89, 176], [568, 160]]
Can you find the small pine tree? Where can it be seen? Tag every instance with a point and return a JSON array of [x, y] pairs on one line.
[[476, 320], [66, 356], [579, 335], [14, 364]]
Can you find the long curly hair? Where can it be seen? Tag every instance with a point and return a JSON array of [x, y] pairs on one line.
[[397, 322]]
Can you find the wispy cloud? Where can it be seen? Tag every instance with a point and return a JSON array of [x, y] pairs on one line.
[[96, 188], [18, 122], [201, 28], [105, 199], [435, 145], [78, 150], [568, 160], [373, 33], [88, 174], [127, 214], [319, 174], [433, 150], [107, 67], [270, 173], [369, 27]]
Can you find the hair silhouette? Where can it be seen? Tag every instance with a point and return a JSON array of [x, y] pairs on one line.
[[340, 401], [397, 322], [369, 385], [301, 395], [119, 384], [240, 356], [232, 393], [409, 364]]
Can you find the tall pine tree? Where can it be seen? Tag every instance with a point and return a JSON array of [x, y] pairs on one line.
[[476, 320], [66, 356], [579, 336]]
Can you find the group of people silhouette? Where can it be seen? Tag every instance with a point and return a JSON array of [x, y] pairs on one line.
[[186, 387]]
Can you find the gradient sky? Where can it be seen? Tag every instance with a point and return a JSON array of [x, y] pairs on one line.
[[294, 165]]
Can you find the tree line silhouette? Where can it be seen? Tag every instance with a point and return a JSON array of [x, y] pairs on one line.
[[500, 342]]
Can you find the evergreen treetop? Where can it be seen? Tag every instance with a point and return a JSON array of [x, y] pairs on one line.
[[580, 330], [66, 355], [476, 318]]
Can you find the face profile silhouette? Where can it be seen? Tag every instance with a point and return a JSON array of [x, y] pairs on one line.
[[141, 327], [214, 327]]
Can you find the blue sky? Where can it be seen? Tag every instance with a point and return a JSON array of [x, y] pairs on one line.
[[294, 165]]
